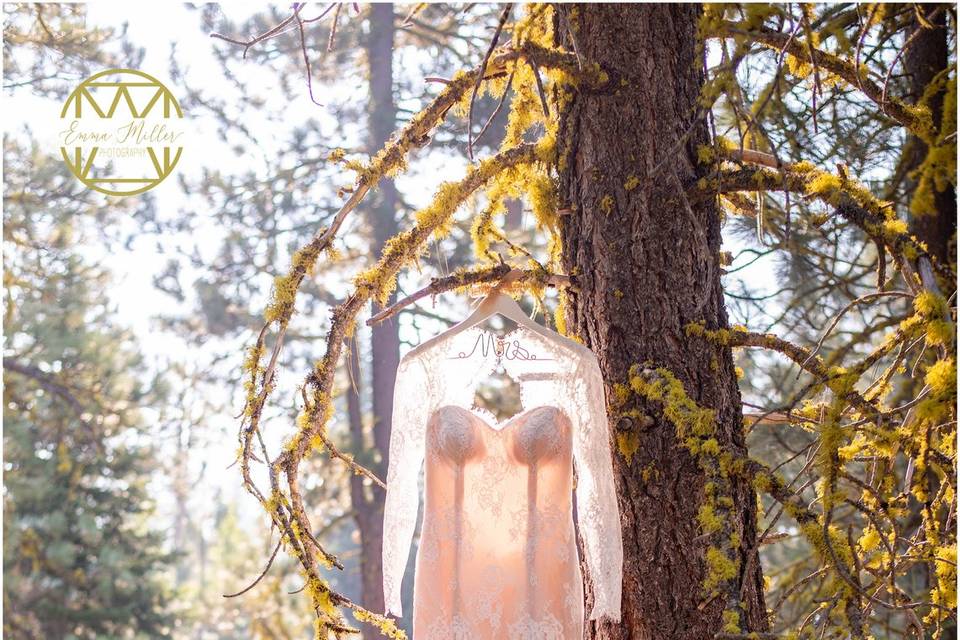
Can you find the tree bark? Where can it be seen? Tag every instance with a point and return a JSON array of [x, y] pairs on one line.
[[923, 61], [647, 263], [385, 338]]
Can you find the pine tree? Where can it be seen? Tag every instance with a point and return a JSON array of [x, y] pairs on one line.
[[631, 159], [82, 556], [647, 263]]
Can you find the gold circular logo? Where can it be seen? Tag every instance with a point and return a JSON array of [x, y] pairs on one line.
[[123, 132]]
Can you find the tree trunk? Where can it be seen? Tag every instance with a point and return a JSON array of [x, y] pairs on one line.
[[923, 61], [385, 338], [366, 514], [646, 262]]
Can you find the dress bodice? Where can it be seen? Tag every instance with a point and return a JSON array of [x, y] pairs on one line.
[[459, 435]]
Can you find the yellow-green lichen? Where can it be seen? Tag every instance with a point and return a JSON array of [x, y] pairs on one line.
[[708, 518], [731, 621], [386, 626], [720, 568], [606, 204], [628, 443]]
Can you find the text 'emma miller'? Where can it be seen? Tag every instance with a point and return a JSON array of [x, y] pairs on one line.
[[136, 132]]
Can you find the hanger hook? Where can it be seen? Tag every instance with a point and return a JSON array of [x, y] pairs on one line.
[[508, 278]]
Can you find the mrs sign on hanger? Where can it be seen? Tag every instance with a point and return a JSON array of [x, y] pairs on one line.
[[503, 346]]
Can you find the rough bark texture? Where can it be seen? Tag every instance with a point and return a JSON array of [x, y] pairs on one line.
[[385, 338], [647, 264], [923, 61]]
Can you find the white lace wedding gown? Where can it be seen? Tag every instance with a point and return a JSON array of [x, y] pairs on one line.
[[498, 556]]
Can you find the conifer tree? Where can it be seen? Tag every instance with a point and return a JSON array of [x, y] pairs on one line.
[[83, 557]]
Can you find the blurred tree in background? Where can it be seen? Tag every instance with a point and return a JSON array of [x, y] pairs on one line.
[[808, 108], [376, 59], [83, 557]]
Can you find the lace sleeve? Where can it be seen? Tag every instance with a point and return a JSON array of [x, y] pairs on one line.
[[410, 412], [597, 513]]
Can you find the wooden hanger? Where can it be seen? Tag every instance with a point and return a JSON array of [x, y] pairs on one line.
[[497, 302]]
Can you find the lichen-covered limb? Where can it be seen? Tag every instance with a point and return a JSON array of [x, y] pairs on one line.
[[911, 118], [285, 504], [832, 548], [850, 199], [460, 278], [840, 380], [801, 356], [463, 278], [286, 507], [323, 598], [260, 379], [913, 440], [694, 426], [380, 281], [387, 162]]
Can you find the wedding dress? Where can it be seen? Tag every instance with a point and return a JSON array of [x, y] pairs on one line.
[[498, 556]]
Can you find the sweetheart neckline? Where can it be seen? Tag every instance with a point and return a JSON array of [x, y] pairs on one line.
[[499, 426]]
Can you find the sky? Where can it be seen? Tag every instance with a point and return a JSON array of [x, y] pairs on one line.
[[156, 27]]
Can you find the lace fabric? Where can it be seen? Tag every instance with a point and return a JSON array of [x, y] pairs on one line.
[[497, 555]]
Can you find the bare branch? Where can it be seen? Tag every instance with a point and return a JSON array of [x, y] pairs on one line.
[[439, 285]]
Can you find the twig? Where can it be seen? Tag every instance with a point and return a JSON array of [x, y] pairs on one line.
[[439, 285], [260, 577], [543, 98], [573, 38], [414, 10], [333, 27], [836, 319], [906, 45], [860, 39], [348, 460], [817, 86], [776, 76], [496, 111], [272, 32], [303, 50], [483, 67]]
